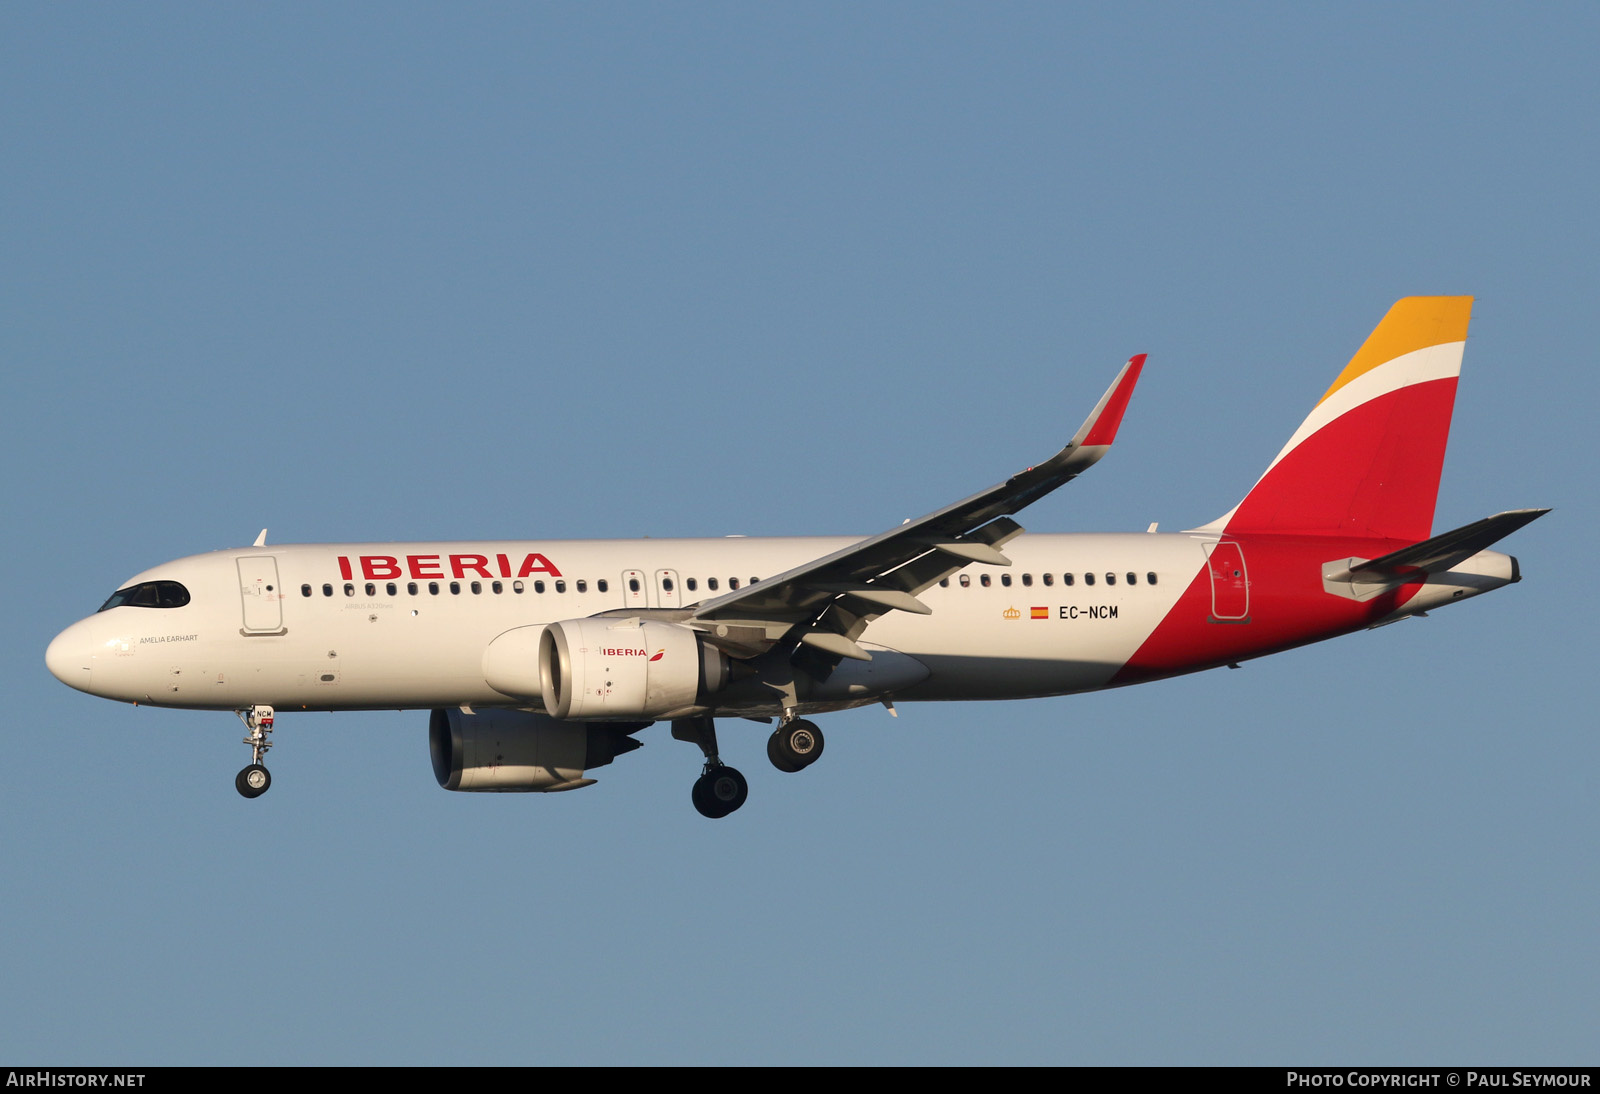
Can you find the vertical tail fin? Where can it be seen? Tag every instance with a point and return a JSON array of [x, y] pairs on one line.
[[1366, 462]]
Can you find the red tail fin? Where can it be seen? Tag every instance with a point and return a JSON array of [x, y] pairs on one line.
[[1366, 462]]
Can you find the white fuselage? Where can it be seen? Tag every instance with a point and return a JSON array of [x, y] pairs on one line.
[[366, 626]]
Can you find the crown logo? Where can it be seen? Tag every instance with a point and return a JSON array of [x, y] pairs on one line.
[[1012, 613]]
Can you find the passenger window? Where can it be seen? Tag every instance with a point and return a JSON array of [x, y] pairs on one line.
[[372, 590], [633, 584], [411, 588], [455, 588], [1067, 579], [1005, 579], [711, 583], [583, 585], [733, 583], [327, 590], [1049, 579], [349, 589], [496, 588], [305, 590], [477, 587], [1027, 579], [433, 588], [753, 580], [1111, 579], [1133, 579], [601, 586], [516, 586], [1088, 579], [391, 588], [666, 584], [944, 583], [561, 585], [538, 586], [692, 583], [1150, 578], [984, 580]]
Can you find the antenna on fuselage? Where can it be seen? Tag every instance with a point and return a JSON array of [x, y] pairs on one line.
[[261, 540]]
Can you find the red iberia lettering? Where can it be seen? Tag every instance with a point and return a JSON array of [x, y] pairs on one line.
[[460, 564], [387, 567], [417, 562], [379, 567], [538, 564]]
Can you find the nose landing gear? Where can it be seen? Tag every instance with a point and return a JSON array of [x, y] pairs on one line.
[[255, 779]]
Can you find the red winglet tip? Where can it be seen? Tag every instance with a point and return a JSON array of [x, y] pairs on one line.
[[1104, 430]]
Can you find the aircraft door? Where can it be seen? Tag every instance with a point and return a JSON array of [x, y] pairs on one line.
[[633, 590], [262, 595], [1230, 583], [667, 594]]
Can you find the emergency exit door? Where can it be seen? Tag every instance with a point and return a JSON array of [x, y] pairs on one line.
[[1230, 583]]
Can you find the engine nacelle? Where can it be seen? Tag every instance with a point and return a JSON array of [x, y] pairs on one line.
[[518, 750], [626, 668]]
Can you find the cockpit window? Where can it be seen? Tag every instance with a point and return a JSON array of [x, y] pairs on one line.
[[149, 594]]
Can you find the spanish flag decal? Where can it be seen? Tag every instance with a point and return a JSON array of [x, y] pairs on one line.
[[1039, 613]]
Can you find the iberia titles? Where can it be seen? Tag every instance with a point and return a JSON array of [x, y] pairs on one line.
[[389, 567]]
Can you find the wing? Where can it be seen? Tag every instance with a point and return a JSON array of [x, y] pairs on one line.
[[825, 605]]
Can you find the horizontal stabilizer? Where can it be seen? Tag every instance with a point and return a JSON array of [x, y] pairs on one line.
[[1442, 552]]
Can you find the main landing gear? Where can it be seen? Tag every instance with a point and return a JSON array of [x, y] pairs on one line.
[[795, 745], [720, 789], [255, 780]]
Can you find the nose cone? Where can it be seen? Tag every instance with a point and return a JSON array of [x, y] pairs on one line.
[[70, 657]]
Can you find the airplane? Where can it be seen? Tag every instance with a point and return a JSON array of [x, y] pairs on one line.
[[541, 661]]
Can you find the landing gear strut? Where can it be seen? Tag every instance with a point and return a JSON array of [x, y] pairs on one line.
[[795, 745], [255, 779], [720, 789]]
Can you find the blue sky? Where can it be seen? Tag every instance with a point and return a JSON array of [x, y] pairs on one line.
[[400, 272]]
